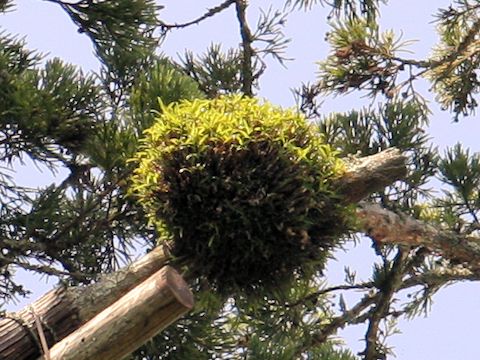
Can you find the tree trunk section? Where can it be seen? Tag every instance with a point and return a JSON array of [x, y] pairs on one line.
[[127, 324]]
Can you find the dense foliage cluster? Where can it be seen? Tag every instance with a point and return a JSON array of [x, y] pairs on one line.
[[243, 189]]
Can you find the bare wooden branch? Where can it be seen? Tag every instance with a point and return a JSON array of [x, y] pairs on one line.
[[369, 174], [124, 326], [387, 227], [64, 309], [210, 12]]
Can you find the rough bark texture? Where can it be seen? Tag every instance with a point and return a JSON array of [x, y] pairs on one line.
[[387, 227], [369, 174], [64, 309], [124, 326]]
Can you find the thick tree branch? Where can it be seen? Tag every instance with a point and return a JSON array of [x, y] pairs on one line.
[[387, 227], [369, 174]]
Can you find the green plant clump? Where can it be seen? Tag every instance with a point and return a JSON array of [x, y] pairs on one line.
[[241, 189]]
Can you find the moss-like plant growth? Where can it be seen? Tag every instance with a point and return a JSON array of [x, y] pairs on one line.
[[242, 189]]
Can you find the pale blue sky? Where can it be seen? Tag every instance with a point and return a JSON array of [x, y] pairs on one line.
[[450, 331]]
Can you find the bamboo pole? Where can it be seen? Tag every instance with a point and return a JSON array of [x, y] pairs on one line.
[[124, 326], [64, 309]]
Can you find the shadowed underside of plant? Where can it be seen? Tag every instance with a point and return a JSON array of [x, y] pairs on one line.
[[244, 191]]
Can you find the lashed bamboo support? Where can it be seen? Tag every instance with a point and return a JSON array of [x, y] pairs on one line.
[[128, 323]]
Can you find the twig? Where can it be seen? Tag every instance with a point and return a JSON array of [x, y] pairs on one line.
[[210, 12], [248, 52], [391, 285], [49, 270], [316, 294], [356, 315], [453, 57], [336, 323]]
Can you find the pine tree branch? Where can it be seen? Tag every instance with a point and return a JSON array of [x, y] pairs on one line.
[[462, 51], [357, 315], [440, 277], [248, 52], [43, 269], [46, 248], [336, 323], [391, 285], [316, 294], [210, 12], [386, 227]]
